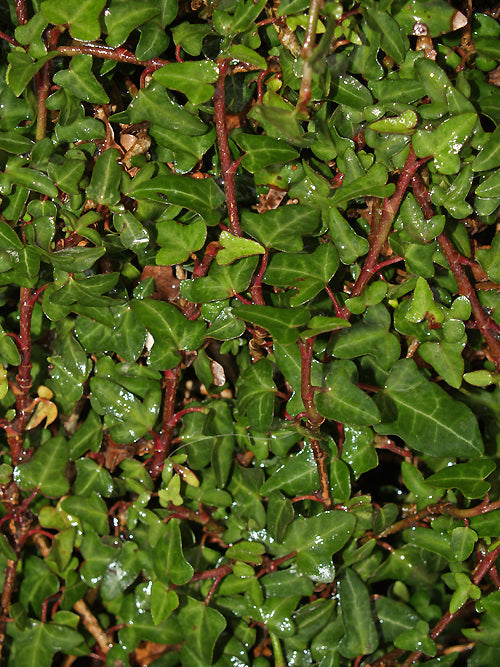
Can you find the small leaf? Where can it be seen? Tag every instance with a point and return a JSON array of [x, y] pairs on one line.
[[342, 401], [177, 241], [80, 81], [202, 625], [104, 186], [315, 539], [169, 562], [468, 477], [163, 602], [256, 391], [235, 247], [297, 474], [361, 634], [81, 15], [46, 469], [445, 142], [201, 196], [194, 79], [425, 416], [283, 227]]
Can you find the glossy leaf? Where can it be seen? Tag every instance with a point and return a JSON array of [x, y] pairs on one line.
[[341, 400], [191, 78], [105, 183], [168, 560], [256, 394], [121, 18], [298, 474], [469, 478], [360, 632], [177, 241], [46, 469], [315, 539], [222, 281], [280, 323], [201, 196], [445, 142], [307, 273], [430, 422], [203, 625], [82, 17], [282, 228]]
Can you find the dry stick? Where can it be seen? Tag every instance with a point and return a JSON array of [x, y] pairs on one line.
[[389, 210], [306, 55], [480, 571], [162, 445], [455, 262], [226, 161]]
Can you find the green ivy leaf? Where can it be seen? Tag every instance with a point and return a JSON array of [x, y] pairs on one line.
[[256, 394], [283, 227], [168, 560], [430, 421], [202, 625], [308, 273], [82, 17], [80, 81], [467, 477], [445, 142], [194, 79], [360, 632], [315, 539], [46, 469], [342, 401], [122, 17], [298, 474], [104, 186]]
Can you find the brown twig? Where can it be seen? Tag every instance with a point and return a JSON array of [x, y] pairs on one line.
[[226, 161]]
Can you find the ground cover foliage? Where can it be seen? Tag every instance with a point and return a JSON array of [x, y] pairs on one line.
[[250, 333]]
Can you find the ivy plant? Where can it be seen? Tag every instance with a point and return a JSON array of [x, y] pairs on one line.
[[249, 333]]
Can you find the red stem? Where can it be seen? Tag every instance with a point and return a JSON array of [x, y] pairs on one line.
[[480, 571], [162, 444], [389, 210], [179, 415], [11, 40], [339, 310], [226, 160], [21, 13], [256, 289], [110, 53], [306, 389], [454, 259]]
